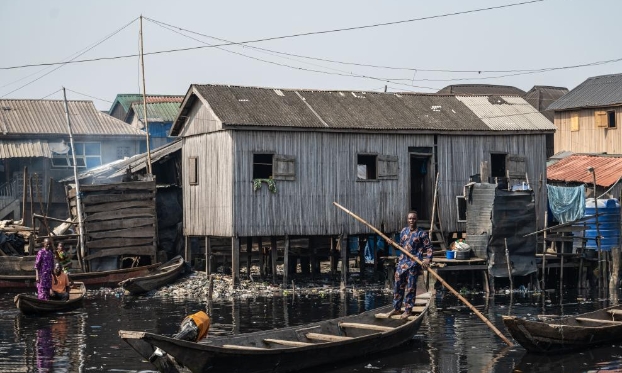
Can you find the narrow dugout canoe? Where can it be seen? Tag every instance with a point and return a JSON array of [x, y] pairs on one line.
[[29, 304], [567, 333], [288, 349], [90, 279], [163, 275]]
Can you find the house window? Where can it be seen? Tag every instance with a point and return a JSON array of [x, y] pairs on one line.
[[123, 151], [611, 119], [461, 206], [497, 165], [193, 171], [262, 166], [366, 167], [88, 155], [574, 122]]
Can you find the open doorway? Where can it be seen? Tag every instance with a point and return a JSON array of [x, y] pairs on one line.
[[419, 169]]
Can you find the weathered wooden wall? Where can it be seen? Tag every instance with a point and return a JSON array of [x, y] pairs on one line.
[[120, 219], [208, 205], [589, 138], [326, 171]]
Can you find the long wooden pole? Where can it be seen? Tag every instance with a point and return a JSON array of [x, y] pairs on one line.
[[142, 69], [433, 206], [433, 273]]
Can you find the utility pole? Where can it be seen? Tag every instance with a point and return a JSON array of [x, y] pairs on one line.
[[78, 195], [142, 68]]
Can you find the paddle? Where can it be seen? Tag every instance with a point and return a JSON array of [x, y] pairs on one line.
[[438, 278]]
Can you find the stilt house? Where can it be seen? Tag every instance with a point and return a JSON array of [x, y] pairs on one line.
[[262, 162]]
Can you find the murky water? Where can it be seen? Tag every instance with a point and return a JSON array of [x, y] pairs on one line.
[[451, 338]]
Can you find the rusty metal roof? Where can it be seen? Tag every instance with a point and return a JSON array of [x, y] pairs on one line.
[[24, 149], [608, 169], [47, 117], [312, 109]]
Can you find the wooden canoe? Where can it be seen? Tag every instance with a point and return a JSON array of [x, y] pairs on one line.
[[569, 332], [90, 279], [288, 349], [163, 275], [30, 304]]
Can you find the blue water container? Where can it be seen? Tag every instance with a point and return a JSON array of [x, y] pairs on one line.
[[608, 220]]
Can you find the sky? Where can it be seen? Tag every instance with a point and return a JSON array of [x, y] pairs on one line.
[[481, 47]]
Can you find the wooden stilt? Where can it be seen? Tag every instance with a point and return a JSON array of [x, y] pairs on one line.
[[344, 262], [187, 248], [285, 263], [361, 256], [262, 259], [333, 256], [235, 261], [315, 262], [249, 255], [208, 256], [273, 251]]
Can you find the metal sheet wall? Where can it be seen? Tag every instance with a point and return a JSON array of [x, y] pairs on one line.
[[459, 157]]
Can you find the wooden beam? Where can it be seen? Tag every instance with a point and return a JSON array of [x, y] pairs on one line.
[[615, 312], [119, 224], [236, 347], [262, 258], [326, 337], [142, 250], [235, 261], [249, 255], [122, 214], [274, 256], [288, 343], [106, 198], [285, 262], [208, 256], [137, 232], [355, 325], [116, 205], [118, 242]]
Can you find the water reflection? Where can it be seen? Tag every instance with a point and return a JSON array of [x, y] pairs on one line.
[[451, 339]]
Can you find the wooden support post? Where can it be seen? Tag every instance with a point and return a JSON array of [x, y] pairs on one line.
[[315, 263], [24, 191], [333, 256], [285, 263], [561, 268], [361, 257], [274, 255], [344, 262], [262, 259], [249, 255], [187, 248], [615, 269], [235, 261], [546, 220], [208, 256]]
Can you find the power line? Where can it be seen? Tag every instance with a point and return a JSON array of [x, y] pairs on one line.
[[63, 64], [285, 36], [44, 97], [85, 95]]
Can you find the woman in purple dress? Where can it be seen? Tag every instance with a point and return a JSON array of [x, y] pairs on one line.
[[44, 264]]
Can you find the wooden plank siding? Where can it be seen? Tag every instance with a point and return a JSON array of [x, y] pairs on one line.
[[589, 138], [326, 171], [201, 119], [208, 205], [460, 156]]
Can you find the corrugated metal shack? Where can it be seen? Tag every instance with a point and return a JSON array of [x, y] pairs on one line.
[[375, 153], [120, 224]]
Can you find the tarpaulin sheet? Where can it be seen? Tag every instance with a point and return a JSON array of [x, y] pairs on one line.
[[513, 216]]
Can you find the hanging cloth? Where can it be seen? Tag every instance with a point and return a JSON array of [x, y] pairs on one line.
[[567, 203]]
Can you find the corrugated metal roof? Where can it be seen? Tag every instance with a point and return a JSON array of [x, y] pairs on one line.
[[541, 97], [481, 89], [608, 169], [24, 149], [118, 168], [127, 99], [507, 113], [596, 91], [250, 106], [157, 112], [42, 117]]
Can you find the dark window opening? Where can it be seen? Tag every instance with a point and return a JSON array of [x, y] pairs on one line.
[[262, 166], [366, 167], [461, 205], [193, 171], [611, 119], [497, 165]]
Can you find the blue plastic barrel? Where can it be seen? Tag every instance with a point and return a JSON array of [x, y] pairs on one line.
[[608, 220]]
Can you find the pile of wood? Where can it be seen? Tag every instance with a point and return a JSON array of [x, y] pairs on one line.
[[14, 238]]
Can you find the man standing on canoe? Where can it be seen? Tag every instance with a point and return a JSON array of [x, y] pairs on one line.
[[44, 264], [417, 242]]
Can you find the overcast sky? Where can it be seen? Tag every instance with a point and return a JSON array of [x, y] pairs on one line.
[[551, 33]]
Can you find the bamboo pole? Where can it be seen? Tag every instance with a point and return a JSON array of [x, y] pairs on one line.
[[433, 206], [433, 273]]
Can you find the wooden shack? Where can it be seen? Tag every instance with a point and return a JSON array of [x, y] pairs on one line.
[[375, 153], [120, 224]]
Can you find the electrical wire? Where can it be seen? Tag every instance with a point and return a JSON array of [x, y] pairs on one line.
[[85, 95], [44, 97], [285, 36], [63, 64]]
